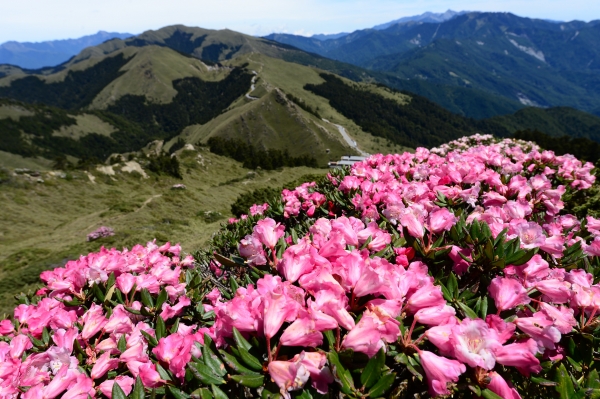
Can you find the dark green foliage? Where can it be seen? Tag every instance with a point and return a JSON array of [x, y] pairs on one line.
[[581, 147], [213, 52], [165, 164], [555, 122], [196, 102], [253, 157], [419, 123], [87, 163], [40, 126], [77, 90], [476, 53], [302, 104], [181, 42], [179, 144], [258, 196], [61, 163]]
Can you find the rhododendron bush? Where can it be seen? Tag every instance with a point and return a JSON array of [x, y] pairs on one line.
[[458, 271]]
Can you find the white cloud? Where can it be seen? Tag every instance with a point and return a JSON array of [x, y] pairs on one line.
[[36, 20]]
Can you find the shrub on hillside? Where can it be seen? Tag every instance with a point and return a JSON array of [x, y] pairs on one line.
[[166, 164], [456, 271], [253, 158]]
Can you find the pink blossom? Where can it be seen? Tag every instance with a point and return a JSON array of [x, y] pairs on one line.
[[125, 382], [425, 297], [441, 220], [520, 355], [251, 249], [268, 232], [531, 234], [434, 316], [474, 343], [440, 371], [500, 387], [289, 375], [507, 293], [103, 364]]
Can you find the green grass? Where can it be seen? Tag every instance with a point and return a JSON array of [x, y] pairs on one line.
[[44, 224]]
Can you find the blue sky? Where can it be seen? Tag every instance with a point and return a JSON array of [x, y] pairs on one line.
[[38, 20]]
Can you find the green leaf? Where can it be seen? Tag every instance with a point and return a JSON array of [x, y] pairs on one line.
[[542, 381], [565, 385], [162, 297], [447, 295], [467, 310], [240, 341], [233, 363], [212, 361], [98, 292], [382, 386], [249, 360], [487, 394], [164, 374], [147, 298], [117, 392], [574, 363], [342, 375], [122, 344], [372, 371], [233, 284], [202, 393], [111, 280], [250, 381], [161, 329], [176, 393], [138, 390], [475, 389], [452, 285], [593, 381], [484, 307], [523, 258], [205, 374], [151, 340], [218, 393], [174, 327], [45, 336], [330, 338]]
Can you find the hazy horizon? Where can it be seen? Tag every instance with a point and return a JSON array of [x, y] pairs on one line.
[[32, 21]]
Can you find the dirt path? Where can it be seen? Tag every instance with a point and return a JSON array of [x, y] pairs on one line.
[[348, 139]]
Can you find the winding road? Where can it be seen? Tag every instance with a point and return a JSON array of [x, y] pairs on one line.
[[348, 139], [248, 96]]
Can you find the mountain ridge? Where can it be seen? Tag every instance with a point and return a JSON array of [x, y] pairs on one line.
[[36, 55]]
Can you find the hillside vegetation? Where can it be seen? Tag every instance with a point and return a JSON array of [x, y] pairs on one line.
[[500, 56], [43, 224]]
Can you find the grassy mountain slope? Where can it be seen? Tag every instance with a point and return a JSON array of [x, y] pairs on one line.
[[534, 62], [45, 224], [556, 122]]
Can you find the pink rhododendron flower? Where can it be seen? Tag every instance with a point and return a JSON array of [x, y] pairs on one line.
[[268, 232], [508, 293], [500, 387], [440, 220], [474, 343], [125, 382], [440, 371], [289, 375]]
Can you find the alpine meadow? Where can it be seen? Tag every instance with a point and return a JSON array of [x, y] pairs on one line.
[[409, 210]]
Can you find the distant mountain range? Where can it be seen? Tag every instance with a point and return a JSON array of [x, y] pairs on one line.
[[191, 84], [515, 60], [50, 53], [425, 17]]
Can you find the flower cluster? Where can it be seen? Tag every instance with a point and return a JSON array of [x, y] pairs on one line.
[[426, 271], [101, 232], [74, 335]]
